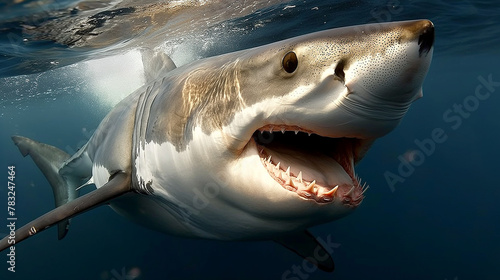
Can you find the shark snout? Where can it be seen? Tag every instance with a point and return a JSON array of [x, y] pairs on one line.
[[383, 83], [373, 83], [419, 31]]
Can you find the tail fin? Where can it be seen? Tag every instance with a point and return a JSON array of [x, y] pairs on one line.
[[50, 160]]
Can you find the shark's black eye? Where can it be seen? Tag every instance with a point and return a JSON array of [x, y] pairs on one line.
[[290, 62]]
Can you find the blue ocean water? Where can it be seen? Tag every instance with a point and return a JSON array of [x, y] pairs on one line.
[[439, 220]]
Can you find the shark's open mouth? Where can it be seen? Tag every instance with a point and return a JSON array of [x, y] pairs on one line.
[[315, 167]]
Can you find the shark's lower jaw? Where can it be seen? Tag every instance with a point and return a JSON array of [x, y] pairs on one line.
[[316, 168]]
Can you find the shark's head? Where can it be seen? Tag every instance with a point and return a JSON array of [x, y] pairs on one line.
[[268, 137]]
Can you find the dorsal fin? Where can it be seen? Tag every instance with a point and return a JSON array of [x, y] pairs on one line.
[[156, 64], [117, 186]]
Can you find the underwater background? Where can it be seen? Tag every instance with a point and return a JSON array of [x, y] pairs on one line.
[[431, 211]]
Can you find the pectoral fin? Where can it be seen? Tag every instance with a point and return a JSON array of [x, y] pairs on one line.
[[117, 186], [305, 245]]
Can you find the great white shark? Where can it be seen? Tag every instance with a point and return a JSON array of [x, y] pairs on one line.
[[253, 145]]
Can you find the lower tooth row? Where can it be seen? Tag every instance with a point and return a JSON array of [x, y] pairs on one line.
[[307, 189]]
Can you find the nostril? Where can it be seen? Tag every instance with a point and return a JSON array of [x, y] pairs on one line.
[[339, 70], [426, 39]]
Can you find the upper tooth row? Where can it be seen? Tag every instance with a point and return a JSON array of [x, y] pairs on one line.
[[283, 130]]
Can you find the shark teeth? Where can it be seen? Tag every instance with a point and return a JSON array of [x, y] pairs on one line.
[[332, 191], [353, 194], [283, 129], [350, 191], [310, 187]]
